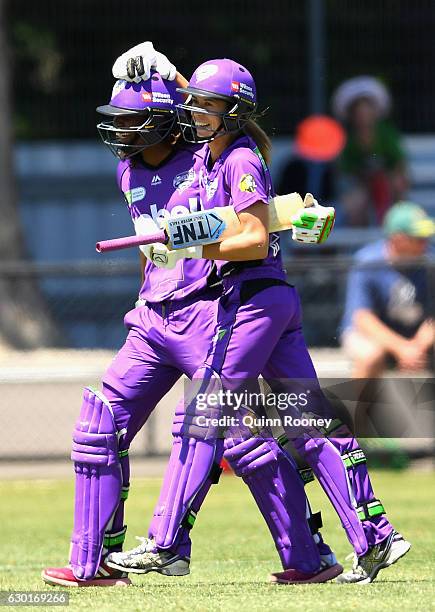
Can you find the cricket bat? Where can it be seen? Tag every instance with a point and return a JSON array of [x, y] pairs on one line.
[[209, 226]]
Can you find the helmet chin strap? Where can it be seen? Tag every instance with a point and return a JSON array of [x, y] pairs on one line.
[[220, 131]]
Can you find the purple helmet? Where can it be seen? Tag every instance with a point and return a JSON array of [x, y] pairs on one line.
[[152, 102], [223, 79]]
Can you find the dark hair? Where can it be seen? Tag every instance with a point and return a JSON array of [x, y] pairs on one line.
[[261, 139]]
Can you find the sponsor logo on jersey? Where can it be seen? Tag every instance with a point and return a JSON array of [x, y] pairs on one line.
[[209, 186], [134, 195], [205, 72], [247, 183], [220, 334], [184, 180], [156, 180], [159, 216], [274, 244]]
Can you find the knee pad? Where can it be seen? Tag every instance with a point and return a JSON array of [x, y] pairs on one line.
[[278, 491], [247, 456], [98, 485], [355, 462], [195, 416], [193, 467], [326, 463]]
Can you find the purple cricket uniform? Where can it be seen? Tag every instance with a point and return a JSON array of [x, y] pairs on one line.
[[240, 178], [259, 309], [167, 337], [244, 325], [178, 301], [154, 194]]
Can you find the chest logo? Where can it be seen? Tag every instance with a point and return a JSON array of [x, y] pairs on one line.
[[156, 180], [134, 195], [184, 180]]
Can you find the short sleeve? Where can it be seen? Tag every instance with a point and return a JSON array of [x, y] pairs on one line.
[[246, 180]]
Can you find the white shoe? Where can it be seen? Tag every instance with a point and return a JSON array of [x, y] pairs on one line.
[[366, 568], [147, 558]]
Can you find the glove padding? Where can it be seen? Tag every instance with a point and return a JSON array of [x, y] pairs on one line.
[[136, 64], [313, 224], [162, 257]]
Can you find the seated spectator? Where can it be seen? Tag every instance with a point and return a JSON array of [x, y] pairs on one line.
[[372, 165], [318, 141], [389, 301]]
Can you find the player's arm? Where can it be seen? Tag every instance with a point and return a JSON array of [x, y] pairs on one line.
[[143, 261], [251, 243]]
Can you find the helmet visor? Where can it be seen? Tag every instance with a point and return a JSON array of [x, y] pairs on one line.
[[145, 130]]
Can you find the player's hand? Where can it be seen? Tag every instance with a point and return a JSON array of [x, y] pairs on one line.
[[313, 225], [136, 64], [162, 257]]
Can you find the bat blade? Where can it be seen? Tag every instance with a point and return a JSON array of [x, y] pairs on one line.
[[281, 210], [203, 227]]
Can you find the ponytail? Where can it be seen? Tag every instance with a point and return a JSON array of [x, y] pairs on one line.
[[261, 139]]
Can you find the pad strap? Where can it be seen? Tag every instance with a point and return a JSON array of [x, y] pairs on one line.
[[353, 458], [333, 426], [215, 473], [367, 510], [315, 522], [112, 538], [307, 475], [189, 520], [124, 492]]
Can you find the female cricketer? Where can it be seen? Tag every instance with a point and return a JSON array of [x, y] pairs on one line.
[[169, 335], [258, 309]]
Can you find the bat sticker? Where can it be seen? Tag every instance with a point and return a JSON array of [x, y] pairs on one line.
[[198, 228]]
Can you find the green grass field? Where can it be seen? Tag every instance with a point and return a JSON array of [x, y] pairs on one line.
[[232, 555]]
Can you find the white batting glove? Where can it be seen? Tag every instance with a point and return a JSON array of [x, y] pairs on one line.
[[313, 224], [162, 257], [136, 64]]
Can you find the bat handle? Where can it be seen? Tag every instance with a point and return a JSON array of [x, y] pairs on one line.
[[130, 241]]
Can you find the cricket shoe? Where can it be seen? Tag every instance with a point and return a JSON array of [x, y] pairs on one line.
[[366, 568], [148, 558], [329, 569], [105, 577]]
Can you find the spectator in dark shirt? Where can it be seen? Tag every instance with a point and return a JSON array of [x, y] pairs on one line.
[[388, 311], [372, 165]]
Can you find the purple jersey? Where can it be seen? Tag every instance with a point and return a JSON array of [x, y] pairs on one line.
[[240, 178], [153, 194]]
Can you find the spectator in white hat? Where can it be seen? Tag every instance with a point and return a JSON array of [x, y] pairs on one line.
[[373, 166]]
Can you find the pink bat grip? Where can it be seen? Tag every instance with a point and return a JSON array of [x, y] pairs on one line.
[[130, 241]]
